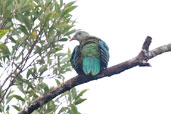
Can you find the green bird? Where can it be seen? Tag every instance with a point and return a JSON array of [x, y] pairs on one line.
[[91, 56]]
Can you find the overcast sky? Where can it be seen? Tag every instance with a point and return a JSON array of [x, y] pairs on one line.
[[123, 25]]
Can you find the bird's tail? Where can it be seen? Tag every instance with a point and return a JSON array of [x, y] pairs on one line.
[[91, 66]]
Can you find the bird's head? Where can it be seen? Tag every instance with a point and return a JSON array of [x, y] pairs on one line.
[[80, 35]]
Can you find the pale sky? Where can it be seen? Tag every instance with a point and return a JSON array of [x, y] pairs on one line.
[[123, 25]]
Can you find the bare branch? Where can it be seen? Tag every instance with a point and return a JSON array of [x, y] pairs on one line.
[[140, 60]]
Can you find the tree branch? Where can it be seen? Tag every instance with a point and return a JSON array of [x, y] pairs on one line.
[[140, 60]]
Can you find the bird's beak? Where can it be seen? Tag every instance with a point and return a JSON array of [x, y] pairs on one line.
[[73, 38]]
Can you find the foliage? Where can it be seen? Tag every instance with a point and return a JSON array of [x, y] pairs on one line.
[[33, 34]]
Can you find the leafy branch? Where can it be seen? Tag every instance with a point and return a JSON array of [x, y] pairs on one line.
[[33, 34]]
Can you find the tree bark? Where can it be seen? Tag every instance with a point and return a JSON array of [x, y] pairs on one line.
[[140, 60]]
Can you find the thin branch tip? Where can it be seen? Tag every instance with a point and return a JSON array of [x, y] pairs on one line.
[[147, 43]]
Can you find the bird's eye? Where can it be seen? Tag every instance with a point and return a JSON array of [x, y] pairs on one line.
[[79, 33]]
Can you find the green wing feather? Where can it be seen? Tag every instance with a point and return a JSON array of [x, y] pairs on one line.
[[91, 59], [91, 66]]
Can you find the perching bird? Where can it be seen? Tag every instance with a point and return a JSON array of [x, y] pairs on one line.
[[91, 56]]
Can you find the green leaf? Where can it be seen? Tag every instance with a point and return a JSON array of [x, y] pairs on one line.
[[20, 87], [3, 32], [7, 109], [63, 109], [74, 109], [69, 32], [51, 106], [57, 82], [44, 86], [69, 97], [57, 8], [67, 10], [9, 93], [65, 60], [8, 3], [48, 2], [16, 107], [74, 93], [5, 51], [63, 39], [29, 72], [27, 8], [9, 99], [24, 19], [8, 25], [12, 39], [33, 94], [37, 50], [61, 54], [7, 13], [48, 17], [18, 97], [81, 93], [42, 69], [15, 96], [23, 29], [1, 108], [66, 27], [61, 3], [70, 3], [14, 48], [79, 100]]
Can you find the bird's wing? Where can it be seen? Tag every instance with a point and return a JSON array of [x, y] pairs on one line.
[[74, 58], [104, 53]]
